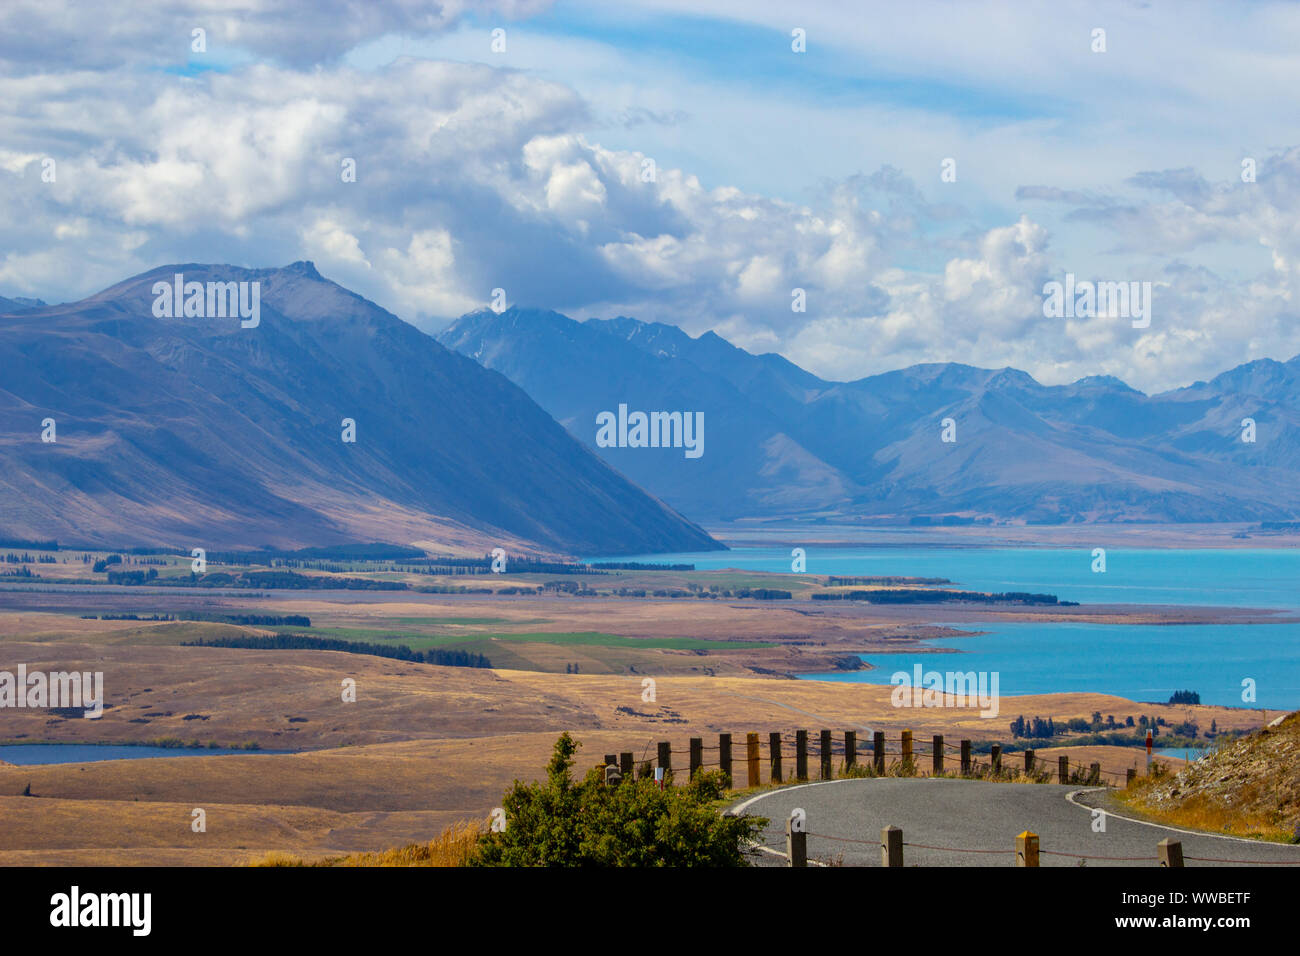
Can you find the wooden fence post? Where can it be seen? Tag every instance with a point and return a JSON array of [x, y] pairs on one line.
[[801, 755], [995, 757], [827, 769], [850, 749], [1027, 849], [937, 758], [666, 758], [1029, 761], [891, 846], [1094, 774], [796, 843], [907, 751], [965, 758], [878, 751], [610, 759], [774, 748], [1062, 769], [625, 763], [751, 758], [1171, 852], [724, 754], [1129, 776], [697, 755]]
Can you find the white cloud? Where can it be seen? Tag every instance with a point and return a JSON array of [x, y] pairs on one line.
[[473, 176], [329, 242], [35, 33]]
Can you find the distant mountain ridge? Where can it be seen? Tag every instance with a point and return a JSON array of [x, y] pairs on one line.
[[782, 441], [199, 432], [19, 304]]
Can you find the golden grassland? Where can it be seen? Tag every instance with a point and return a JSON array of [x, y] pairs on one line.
[[422, 748], [292, 700]]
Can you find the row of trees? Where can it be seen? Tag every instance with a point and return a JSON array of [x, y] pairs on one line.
[[280, 642], [26, 558], [1037, 728]]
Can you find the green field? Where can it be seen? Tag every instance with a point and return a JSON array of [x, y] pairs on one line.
[[422, 641], [597, 639], [466, 621]]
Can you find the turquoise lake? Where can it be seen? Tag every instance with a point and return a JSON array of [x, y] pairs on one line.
[[1141, 662]]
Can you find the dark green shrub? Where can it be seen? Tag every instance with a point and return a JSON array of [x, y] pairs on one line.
[[563, 822]]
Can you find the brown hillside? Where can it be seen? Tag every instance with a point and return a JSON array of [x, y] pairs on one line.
[[1250, 787]]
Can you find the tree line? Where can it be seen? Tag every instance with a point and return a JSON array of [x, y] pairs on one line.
[[305, 642]]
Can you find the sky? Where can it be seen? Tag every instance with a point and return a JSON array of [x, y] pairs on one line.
[[685, 162]]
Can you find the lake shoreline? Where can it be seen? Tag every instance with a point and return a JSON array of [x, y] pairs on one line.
[[828, 534]]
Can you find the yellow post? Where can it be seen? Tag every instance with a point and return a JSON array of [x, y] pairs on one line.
[[1027, 849]]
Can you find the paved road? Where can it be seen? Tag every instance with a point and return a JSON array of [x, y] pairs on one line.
[[972, 814]]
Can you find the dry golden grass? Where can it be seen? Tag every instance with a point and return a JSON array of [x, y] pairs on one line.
[[452, 847], [1203, 812], [290, 700]]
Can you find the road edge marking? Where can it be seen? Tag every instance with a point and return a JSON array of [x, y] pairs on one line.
[[740, 808]]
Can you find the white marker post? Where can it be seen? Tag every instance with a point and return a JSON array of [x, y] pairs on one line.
[[659, 777], [1150, 742]]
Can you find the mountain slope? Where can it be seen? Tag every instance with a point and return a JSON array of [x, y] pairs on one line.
[[577, 370], [199, 432], [787, 442]]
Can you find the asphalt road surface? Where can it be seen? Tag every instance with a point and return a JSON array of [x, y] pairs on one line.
[[974, 815]]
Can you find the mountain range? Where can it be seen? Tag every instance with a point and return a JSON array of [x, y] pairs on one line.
[[120, 426], [781, 441]]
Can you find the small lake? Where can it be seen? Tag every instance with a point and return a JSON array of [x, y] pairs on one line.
[[1183, 753], [32, 754]]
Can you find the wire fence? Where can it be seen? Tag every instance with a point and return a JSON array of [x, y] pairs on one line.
[[914, 757]]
